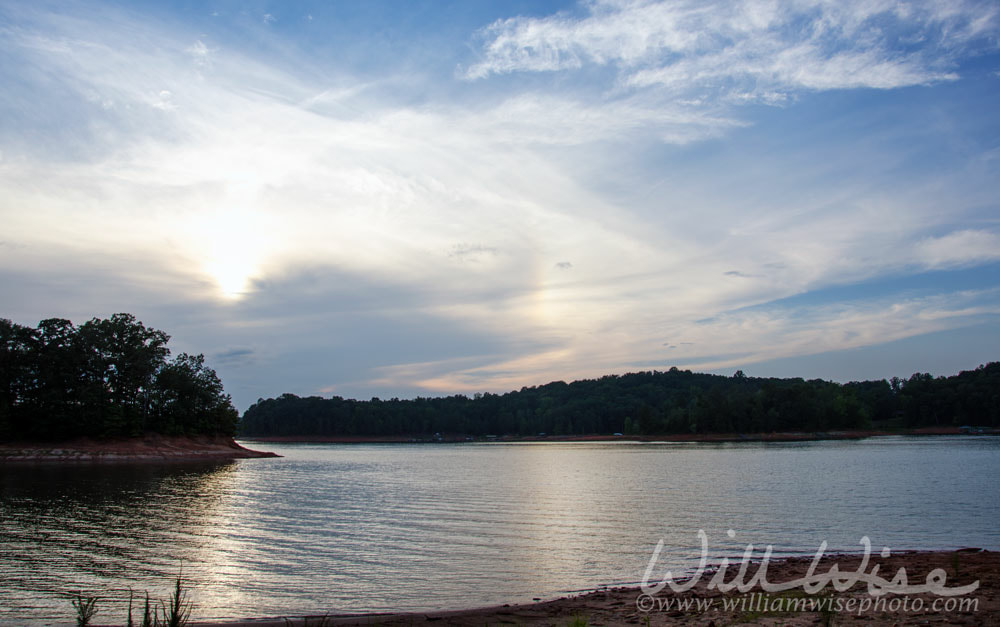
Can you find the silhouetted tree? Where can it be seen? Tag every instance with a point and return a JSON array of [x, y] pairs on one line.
[[104, 378], [676, 401]]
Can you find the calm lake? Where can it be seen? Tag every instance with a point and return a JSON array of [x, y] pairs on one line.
[[360, 528]]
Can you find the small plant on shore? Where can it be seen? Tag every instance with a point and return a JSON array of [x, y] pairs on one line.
[[86, 608], [954, 562], [177, 609], [148, 614], [578, 621]]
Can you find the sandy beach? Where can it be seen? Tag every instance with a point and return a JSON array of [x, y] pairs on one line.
[[705, 605]]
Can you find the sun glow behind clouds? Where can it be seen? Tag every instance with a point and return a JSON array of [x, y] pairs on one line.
[[230, 246]]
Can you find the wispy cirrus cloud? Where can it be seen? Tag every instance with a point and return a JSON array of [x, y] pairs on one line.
[[761, 49], [724, 342]]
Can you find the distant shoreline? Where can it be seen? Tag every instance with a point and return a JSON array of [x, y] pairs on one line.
[[151, 448], [792, 436]]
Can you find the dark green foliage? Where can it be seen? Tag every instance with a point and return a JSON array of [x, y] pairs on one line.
[[189, 398], [175, 611], [105, 378], [672, 402]]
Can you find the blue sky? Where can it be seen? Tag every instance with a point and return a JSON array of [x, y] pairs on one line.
[[422, 198]]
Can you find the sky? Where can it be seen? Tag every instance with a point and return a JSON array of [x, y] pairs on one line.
[[402, 199]]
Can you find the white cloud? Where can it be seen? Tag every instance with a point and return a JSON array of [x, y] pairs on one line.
[[726, 341], [201, 53], [549, 120], [960, 248], [163, 101], [760, 47]]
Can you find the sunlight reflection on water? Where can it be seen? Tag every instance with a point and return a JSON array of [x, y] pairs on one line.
[[352, 528]]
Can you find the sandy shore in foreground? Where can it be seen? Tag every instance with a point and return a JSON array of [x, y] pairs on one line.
[[627, 606], [149, 448]]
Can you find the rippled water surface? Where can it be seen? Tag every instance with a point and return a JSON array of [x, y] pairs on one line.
[[358, 528]]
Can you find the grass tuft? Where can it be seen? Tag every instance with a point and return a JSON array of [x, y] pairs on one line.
[[86, 608], [148, 614], [177, 609]]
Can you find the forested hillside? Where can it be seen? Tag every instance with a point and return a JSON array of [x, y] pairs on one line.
[[104, 378], [671, 402]]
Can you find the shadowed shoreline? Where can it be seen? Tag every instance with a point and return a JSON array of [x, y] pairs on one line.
[[149, 448], [621, 605]]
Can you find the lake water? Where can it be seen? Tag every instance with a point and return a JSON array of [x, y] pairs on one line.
[[360, 528]]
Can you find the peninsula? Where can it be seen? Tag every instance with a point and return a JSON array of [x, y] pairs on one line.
[[106, 391]]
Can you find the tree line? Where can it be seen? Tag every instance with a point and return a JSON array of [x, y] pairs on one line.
[[649, 403], [104, 378]]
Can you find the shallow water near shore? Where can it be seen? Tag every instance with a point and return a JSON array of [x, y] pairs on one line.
[[380, 527]]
